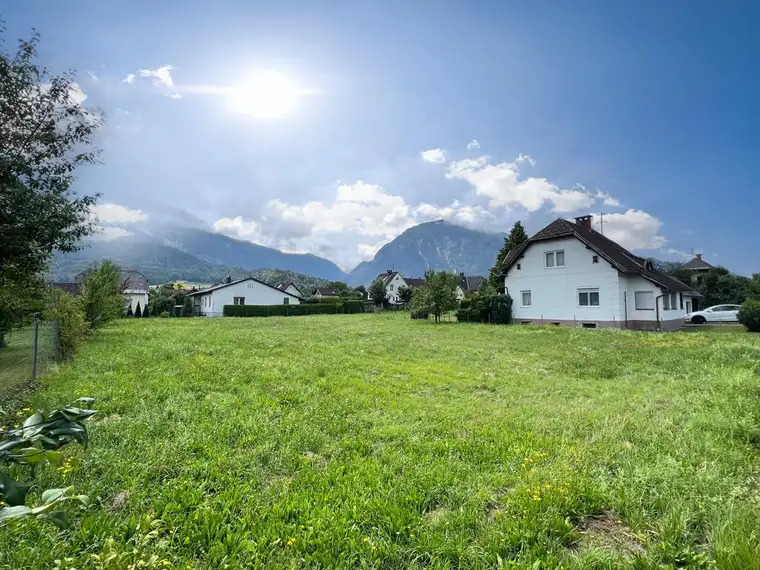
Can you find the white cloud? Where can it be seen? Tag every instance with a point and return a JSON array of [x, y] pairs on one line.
[[678, 253], [522, 158], [606, 199], [473, 144], [130, 78], [633, 229], [162, 76], [76, 95], [110, 213], [173, 95], [107, 233], [503, 186], [435, 155], [93, 76]]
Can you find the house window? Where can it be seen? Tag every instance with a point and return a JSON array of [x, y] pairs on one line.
[[526, 298], [666, 302], [390, 287], [644, 300], [681, 297], [588, 297], [286, 301], [238, 300], [674, 301], [555, 259], [594, 259], [518, 267]]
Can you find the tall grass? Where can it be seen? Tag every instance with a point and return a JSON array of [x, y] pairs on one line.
[[379, 442]]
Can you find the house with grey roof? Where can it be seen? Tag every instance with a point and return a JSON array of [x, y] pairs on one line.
[[697, 268], [570, 274]]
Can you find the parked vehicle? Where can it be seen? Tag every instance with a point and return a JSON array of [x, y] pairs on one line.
[[718, 313]]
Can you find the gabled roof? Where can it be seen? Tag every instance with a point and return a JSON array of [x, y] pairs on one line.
[[327, 292], [387, 276], [696, 263], [619, 257], [284, 286], [223, 285], [471, 282], [414, 281]]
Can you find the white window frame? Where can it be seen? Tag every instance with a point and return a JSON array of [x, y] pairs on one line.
[[286, 300], [236, 299], [674, 301], [390, 287], [553, 255], [522, 298], [666, 303], [589, 291], [636, 301]]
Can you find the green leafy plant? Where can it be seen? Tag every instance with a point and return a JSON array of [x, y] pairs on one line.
[[36, 442], [749, 315], [68, 311], [138, 311]]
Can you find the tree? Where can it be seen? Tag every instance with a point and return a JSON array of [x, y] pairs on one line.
[[361, 290], [378, 292], [187, 307], [516, 236], [103, 295], [719, 286], [341, 287], [405, 295], [138, 311], [146, 311], [749, 315], [45, 137], [436, 295]]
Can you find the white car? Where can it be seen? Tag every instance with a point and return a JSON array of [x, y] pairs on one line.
[[718, 313]]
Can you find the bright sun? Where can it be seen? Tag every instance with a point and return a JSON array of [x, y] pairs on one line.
[[267, 95]]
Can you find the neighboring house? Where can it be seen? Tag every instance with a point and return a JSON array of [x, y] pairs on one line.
[[135, 286], [290, 288], [393, 282], [698, 268], [471, 284], [325, 293], [570, 274], [248, 291]]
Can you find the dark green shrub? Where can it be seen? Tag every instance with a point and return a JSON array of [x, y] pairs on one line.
[[72, 324], [187, 307], [464, 315], [749, 315], [465, 303], [129, 311], [164, 315], [304, 309], [146, 312], [138, 311], [489, 308]]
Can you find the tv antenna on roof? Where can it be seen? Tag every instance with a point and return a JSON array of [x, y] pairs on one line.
[[601, 222]]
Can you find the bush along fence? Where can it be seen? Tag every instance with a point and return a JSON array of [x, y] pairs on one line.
[[348, 307], [493, 309], [28, 351]]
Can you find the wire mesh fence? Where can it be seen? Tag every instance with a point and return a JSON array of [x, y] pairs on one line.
[[28, 352]]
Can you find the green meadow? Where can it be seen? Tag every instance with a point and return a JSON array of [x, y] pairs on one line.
[[376, 441]]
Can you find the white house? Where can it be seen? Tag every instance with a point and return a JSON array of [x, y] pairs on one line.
[[325, 293], [135, 286], [393, 282], [570, 274], [290, 288], [249, 291]]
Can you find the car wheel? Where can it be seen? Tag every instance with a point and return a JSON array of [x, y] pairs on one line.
[[698, 320]]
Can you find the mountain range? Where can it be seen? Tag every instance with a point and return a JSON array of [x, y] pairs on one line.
[[172, 252]]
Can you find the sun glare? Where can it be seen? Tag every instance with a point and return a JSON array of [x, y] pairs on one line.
[[267, 95]]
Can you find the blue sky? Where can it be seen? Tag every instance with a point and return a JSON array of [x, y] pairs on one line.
[[332, 127]]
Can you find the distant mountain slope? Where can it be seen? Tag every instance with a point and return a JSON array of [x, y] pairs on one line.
[[171, 253], [433, 245]]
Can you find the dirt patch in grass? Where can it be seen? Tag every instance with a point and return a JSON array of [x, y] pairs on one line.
[[118, 501], [607, 531], [436, 516]]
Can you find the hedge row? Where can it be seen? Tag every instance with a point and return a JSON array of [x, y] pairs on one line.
[[494, 309], [344, 308]]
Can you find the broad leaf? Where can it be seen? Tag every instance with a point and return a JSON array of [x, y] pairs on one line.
[[85, 400], [54, 494], [10, 513], [13, 493], [60, 519]]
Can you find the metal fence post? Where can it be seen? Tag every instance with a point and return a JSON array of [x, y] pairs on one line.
[[34, 348]]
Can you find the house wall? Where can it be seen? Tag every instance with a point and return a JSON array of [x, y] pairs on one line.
[[392, 288], [554, 291], [293, 291], [459, 293], [254, 293], [132, 297]]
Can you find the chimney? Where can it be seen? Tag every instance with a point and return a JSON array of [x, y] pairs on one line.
[[228, 279], [699, 257], [389, 271], [584, 222]]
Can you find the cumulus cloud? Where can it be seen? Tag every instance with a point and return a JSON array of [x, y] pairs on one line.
[[505, 188], [108, 233], [109, 213], [634, 229], [522, 158], [162, 76], [130, 78], [473, 144], [434, 155], [606, 199]]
